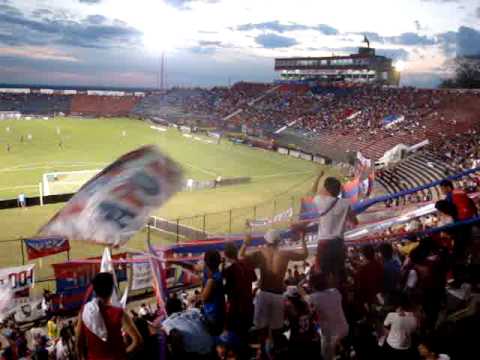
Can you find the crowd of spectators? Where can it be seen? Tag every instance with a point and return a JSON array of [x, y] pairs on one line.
[[414, 298]]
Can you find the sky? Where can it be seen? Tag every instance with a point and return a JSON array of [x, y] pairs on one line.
[[217, 42]]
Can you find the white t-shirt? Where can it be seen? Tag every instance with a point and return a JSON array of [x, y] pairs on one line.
[[329, 305], [333, 223], [401, 329]]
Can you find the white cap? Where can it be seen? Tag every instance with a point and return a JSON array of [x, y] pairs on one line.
[[272, 236]]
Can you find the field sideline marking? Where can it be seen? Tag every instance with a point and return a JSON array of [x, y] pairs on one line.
[[42, 167], [283, 174], [18, 187], [208, 172]]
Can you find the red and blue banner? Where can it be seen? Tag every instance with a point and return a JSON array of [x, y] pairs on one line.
[[45, 246], [159, 281], [73, 279], [308, 209], [351, 190]]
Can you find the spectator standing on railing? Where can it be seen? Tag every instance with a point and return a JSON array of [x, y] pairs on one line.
[[273, 263], [334, 214]]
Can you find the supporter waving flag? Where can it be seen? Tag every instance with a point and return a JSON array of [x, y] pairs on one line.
[[115, 204]]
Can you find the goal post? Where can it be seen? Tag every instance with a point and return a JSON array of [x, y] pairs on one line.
[[65, 182]]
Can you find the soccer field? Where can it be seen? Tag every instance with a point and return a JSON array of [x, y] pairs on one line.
[[90, 144]]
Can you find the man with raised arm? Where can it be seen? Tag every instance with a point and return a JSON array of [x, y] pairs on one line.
[[273, 263], [334, 214]]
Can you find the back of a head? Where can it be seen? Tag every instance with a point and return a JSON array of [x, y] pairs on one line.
[[369, 252], [103, 285], [212, 260], [404, 302], [318, 282], [231, 251], [446, 184], [446, 207], [386, 250], [333, 186]]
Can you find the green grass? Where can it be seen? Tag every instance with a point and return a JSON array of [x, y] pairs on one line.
[[277, 181]]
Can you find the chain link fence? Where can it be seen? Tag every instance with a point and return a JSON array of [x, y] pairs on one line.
[[202, 226]]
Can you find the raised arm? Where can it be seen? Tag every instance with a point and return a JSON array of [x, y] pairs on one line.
[[242, 254], [243, 249], [317, 181], [132, 331]]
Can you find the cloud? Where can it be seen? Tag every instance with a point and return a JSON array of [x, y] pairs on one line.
[[205, 47], [394, 54], [281, 28], [90, 2], [448, 42], [372, 36], [96, 19], [209, 43], [468, 42], [94, 31], [183, 4], [442, 1], [410, 38], [38, 53], [477, 12], [274, 41]]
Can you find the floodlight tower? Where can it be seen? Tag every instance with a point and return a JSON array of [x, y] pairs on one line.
[[162, 72]]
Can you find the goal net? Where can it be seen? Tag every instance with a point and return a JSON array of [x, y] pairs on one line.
[[66, 182]]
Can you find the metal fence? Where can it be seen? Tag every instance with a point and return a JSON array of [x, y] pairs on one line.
[[200, 227]]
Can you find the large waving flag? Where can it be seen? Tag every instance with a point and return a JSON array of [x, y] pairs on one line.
[[111, 207], [308, 209], [351, 190]]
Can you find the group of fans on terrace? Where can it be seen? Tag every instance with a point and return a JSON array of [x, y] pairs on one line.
[[360, 109], [410, 299]]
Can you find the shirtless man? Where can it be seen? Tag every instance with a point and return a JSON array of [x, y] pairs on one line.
[[273, 264]]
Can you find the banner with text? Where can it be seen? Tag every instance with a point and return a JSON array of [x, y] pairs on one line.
[[141, 274], [19, 278]]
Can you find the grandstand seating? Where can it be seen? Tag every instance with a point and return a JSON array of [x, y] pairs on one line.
[[416, 170], [35, 104], [95, 105]]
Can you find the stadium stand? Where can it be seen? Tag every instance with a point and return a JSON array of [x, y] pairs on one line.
[[96, 105], [35, 104]]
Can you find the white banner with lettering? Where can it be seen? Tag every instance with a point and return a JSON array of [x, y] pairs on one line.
[[141, 275], [19, 277]]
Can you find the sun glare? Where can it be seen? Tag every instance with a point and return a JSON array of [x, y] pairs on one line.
[[400, 65]]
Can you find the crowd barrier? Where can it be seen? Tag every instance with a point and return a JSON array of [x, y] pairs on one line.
[[364, 205]]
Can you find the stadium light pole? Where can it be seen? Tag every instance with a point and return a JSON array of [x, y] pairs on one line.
[[162, 70]]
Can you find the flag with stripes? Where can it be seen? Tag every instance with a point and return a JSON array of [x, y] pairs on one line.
[[159, 281]]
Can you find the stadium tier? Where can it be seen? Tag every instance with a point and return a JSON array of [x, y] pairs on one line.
[[99, 105], [35, 104], [329, 119]]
